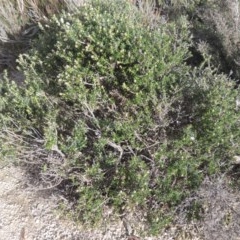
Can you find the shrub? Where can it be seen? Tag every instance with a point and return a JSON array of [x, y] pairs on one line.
[[18, 25], [216, 24], [110, 108]]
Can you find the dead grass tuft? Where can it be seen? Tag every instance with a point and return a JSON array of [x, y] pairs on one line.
[[19, 25]]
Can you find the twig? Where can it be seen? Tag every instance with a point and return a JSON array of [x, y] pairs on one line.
[[117, 147]]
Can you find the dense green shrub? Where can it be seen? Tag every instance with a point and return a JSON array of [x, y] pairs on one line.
[[131, 124]]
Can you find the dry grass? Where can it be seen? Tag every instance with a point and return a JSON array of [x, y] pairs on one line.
[[24, 12], [19, 25]]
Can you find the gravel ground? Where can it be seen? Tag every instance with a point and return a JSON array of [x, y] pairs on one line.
[[29, 215]]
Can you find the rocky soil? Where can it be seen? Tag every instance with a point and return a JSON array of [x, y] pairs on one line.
[[27, 214]]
